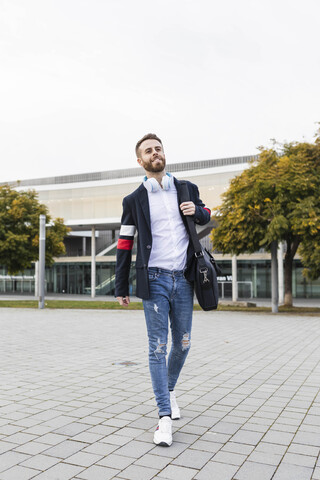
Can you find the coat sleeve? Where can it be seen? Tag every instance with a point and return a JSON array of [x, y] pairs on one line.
[[203, 213], [124, 251]]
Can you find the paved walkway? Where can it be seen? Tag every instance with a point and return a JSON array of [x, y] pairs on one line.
[[76, 400]]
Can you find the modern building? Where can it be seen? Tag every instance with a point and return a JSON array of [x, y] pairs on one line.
[[91, 205]]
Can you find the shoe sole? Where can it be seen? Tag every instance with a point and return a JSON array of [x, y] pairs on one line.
[[163, 444]]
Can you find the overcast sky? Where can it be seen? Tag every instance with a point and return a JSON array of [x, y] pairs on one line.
[[81, 81]]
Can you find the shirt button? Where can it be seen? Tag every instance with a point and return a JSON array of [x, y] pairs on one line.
[[149, 246]]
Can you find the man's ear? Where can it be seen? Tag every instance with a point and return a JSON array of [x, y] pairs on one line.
[[139, 161]]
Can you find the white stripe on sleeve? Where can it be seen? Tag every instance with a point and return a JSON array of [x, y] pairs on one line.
[[127, 230]]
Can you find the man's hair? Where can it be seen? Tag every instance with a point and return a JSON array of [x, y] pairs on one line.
[[149, 136]]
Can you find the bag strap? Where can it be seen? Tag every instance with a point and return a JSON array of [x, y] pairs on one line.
[[198, 249], [185, 197]]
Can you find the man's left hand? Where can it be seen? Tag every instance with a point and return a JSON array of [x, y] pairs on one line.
[[188, 208]]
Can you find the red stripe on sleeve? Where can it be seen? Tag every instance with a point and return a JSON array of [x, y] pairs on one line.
[[124, 244], [208, 209]]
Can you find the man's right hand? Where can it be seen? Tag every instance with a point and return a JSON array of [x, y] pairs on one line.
[[124, 301]]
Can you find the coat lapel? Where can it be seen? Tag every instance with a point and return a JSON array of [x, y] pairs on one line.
[[144, 202], [178, 187]]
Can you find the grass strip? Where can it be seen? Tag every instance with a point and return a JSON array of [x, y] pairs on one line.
[[92, 305]]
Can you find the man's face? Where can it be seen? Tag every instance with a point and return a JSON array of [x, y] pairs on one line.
[[151, 156]]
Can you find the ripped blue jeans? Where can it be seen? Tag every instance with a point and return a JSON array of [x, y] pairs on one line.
[[171, 296]]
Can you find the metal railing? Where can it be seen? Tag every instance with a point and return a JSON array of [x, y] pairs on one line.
[[223, 294]]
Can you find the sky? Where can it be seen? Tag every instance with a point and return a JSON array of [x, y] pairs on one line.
[[82, 81]]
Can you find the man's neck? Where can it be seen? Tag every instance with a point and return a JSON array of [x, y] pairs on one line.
[[157, 175]]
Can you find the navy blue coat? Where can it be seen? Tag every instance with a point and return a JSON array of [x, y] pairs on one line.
[[136, 216]]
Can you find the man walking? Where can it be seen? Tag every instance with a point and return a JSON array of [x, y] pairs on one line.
[[163, 271]]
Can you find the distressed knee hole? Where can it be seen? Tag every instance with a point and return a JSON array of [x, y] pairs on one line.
[[186, 341], [161, 348], [156, 308]]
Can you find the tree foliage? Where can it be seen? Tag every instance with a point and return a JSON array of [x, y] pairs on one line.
[[19, 230], [276, 199]]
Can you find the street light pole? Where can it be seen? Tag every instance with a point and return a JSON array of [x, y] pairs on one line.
[[42, 258], [234, 279], [274, 277]]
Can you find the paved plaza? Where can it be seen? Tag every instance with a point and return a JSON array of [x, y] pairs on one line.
[[76, 399]]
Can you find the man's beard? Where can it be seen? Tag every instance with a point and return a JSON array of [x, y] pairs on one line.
[[155, 168]]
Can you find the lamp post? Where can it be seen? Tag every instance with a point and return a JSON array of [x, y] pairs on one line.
[[42, 259], [274, 277], [234, 279]]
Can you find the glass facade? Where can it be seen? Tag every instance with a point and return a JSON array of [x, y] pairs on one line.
[[254, 280], [75, 278]]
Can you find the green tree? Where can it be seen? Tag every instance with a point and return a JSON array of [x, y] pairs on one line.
[[19, 230], [276, 199]]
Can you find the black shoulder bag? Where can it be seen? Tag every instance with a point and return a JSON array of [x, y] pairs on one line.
[[205, 267]]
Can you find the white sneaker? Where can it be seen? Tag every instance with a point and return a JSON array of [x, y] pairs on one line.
[[175, 410], [163, 434]]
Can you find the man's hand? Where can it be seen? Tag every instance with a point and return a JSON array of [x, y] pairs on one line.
[[188, 208], [124, 301]]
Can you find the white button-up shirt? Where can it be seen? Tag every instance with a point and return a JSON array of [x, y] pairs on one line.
[[169, 236]]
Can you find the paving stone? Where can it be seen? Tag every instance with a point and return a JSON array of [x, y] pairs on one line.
[[131, 432], [115, 439], [9, 459], [135, 449], [247, 437], [172, 452], [31, 448], [207, 446], [217, 471], [9, 429], [254, 471], [307, 439], [60, 471], [281, 427], [281, 438], [215, 437], [264, 457], [52, 439], [226, 427], [290, 472], [193, 429], [143, 423], [255, 427], [240, 448], [184, 437], [71, 429], [87, 437], [40, 462], [230, 458], [96, 472], [153, 461], [138, 472], [116, 461], [316, 474], [303, 449], [296, 459], [20, 438], [174, 472], [19, 473], [65, 449], [271, 448], [83, 459], [192, 459], [103, 430]]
